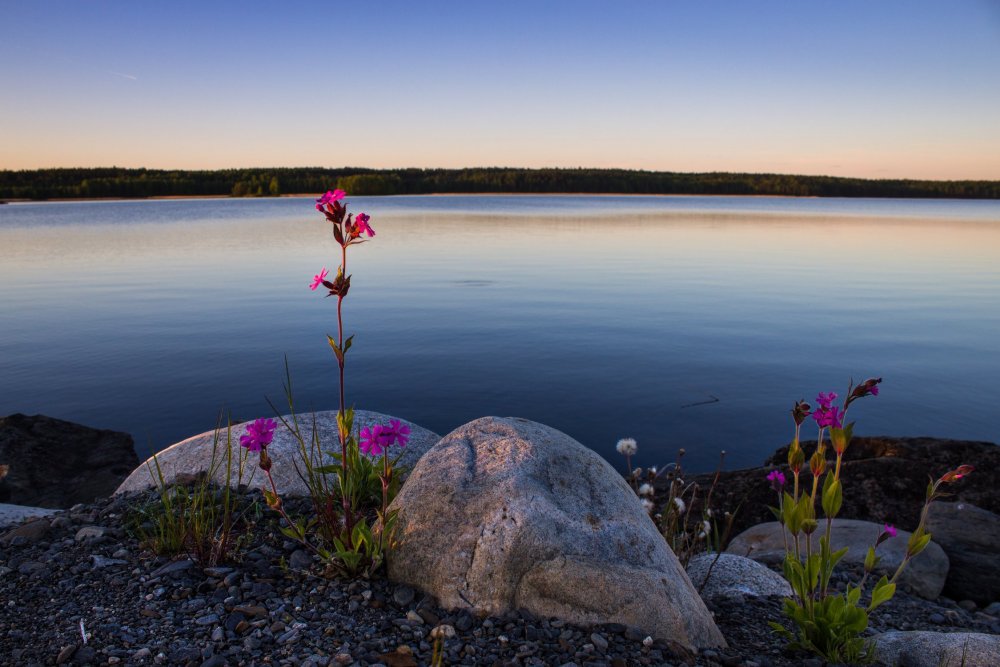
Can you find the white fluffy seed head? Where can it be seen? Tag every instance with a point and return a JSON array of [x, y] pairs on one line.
[[647, 505], [627, 446], [679, 504], [645, 490]]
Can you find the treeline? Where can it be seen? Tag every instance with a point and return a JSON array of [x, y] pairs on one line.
[[117, 182]]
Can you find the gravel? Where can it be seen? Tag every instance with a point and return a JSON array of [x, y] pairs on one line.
[[275, 606]]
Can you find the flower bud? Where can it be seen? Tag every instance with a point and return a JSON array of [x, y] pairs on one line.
[[265, 461], [800, 412], [956, 474], [817, 464]]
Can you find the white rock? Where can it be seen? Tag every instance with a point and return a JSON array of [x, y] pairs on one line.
[[505, 513], [925, 573], [734, 576], [193, 456], [14, 514], [937, 649]]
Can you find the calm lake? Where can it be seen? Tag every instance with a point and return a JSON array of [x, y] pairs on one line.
[[680, 321]]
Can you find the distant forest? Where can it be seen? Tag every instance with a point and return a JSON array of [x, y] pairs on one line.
[[116, 182]]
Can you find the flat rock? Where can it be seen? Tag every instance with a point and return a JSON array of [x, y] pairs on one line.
[[925, 573], [14, 514], [56, 464], [733, 576], [971, 537], [189, 458], [937, 649], [506, 514]]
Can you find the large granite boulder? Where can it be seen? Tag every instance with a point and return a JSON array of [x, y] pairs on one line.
[[505, 514], [925, 573], [189, 458], [971, 538], [56, 464], [937, 649], [734, 577], [884, 480]]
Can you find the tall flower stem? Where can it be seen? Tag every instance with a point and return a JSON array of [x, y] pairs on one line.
[[345, 500]]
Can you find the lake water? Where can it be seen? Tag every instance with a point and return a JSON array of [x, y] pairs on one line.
[[604, 317]]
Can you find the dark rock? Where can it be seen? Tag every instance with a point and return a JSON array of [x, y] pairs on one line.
[[27, 533], [56, 464], [884, 480], [971, 538]]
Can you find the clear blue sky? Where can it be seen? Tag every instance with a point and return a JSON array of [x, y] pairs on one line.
[[876, 89]]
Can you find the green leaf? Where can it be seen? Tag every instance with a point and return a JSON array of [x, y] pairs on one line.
[[336, 348], [853, 595], [919, 544], [347, 343], [882, 593], [833, 496], [836, 556], [871, 560], [781, 630]]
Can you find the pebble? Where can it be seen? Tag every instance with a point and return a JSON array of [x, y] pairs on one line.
[[403, 595]]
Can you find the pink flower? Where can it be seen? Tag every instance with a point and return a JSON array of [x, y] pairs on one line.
[[399, 432], [318, 279], [329, 197], [890, 530], [777, 479], [829, 416], [825, 400], [373, 440], [362, 223], [259, 434]]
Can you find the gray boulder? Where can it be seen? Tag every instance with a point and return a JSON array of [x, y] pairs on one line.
[[505, 514], [189, 458], [937, 649], [925, 573], [971, 538], [732, 576], [56, 464]]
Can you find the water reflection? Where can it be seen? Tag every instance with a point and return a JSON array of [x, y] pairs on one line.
[[602, 317]]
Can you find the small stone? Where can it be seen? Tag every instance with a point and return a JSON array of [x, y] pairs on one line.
[[967, 605], [300, 560], [102, 561], [403, 595], [599, 642], [343, 659], [89, 533], [414, 617], [209, 619], [217, 572], [149, 612], [937, 619], [172, 567], [114, 660], [218, 634], [142, 654], [66, 653]]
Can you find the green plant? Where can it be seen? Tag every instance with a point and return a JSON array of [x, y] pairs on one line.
[[201, 519], [351, 526], [685, 535], [826, 622]]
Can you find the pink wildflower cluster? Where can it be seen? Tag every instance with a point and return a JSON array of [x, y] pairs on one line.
[[376, 439], [828, 415], [259, 434]]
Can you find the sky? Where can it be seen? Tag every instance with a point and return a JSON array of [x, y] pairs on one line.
[[888, 89]]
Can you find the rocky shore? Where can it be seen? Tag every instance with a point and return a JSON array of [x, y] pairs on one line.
[[80, 573], [78, 588]]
